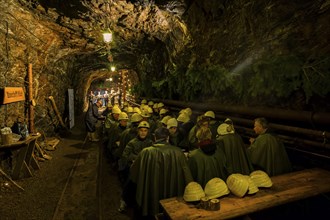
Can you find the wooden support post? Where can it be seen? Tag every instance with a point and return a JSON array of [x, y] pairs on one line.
[[30, 97]]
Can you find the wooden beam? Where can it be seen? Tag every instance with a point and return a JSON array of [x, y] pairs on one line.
[[286, 188]]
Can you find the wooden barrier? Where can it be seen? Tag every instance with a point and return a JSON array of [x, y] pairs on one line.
[[25, 158], [286, 188]]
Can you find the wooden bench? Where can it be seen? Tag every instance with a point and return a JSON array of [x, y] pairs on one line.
[[25, 159], [286, 188]]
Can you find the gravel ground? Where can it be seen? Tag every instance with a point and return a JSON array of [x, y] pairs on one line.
[[44, 196]]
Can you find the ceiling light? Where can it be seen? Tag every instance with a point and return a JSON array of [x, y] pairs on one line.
[[107, 37]]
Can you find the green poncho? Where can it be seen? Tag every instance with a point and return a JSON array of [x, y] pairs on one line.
[[269, 154], [160, 171], [234, 149]]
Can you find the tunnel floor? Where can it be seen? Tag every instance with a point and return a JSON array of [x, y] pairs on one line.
[[77, 183]]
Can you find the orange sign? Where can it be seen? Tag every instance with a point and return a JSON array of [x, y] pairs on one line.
[[13, 94]]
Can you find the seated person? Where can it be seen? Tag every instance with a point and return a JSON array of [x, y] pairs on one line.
[[267, 152], [207, 161], [159, 171]]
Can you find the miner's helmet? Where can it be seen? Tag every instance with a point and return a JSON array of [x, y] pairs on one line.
[[252, 186], [193, 192], [237, 184], [209, 114], [136, 110], [144, 124], [144, 101], [136, 117], [216, 188], [183, 117], [150, 103], [261, 178], [160, 105], [123, 116], [163, 111], [225, 128], [188, 111], [129, 109], [116, 110], [109, 105], [149, 110], [172, 123], [145, 114], [165, 119]]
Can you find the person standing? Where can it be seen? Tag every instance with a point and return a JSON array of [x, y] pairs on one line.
[[91, 118], [267, 152]]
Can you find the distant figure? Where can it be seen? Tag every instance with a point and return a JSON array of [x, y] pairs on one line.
[[91, 118], [267, 152], [160, 171]]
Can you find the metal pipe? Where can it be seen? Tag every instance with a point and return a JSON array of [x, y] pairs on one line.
[[322, 118]]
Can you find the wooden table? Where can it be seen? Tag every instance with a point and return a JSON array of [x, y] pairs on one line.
[[25, 158], [286, 188]]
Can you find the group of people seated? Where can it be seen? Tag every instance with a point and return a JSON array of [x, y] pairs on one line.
[[157, 152]]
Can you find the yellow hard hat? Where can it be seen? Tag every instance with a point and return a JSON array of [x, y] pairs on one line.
[[193, 192], [136, 117], [209, 114], [261, 178], [188, 111], [225, 128], [172, 123], [183, 118], [165, 119], [137, 110], [144, 124], [129, 109], [144, 101], [149, 110], [160, 105], [252, 186], [123, 116], [215, 188], [116, 110], [150, 103], [163, 111], [237, 184], [145, 114]]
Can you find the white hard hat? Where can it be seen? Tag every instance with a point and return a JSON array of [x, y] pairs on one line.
[[193, 192], [261, 178], [237, 184], [215, 188]]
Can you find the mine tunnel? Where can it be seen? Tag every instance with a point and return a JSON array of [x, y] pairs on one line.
[[77, 75]]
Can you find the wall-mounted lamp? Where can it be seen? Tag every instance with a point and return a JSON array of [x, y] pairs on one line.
[[113, 68], [107, 36]]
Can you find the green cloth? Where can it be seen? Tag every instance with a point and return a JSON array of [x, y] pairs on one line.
[[235, 152], [268, 154], [133, 148], [204, 167], [160, 171]]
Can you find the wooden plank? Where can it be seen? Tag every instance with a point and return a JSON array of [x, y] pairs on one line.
[[13, 94], [286, 188]]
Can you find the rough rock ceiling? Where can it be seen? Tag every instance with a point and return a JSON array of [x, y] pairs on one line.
[[136, 25]]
